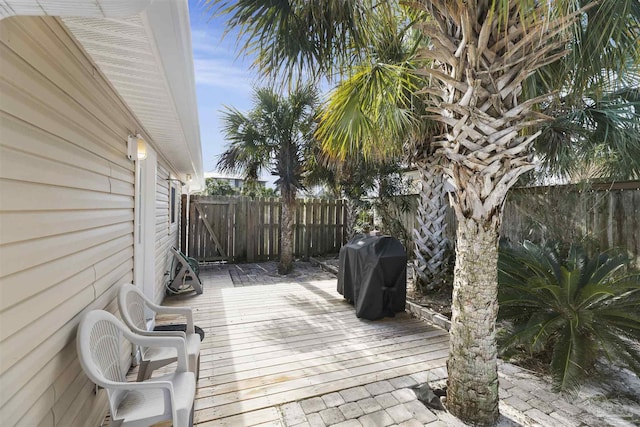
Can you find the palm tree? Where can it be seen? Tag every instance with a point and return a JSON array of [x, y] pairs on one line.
[[483, 52], [374, 107], [274, 136]]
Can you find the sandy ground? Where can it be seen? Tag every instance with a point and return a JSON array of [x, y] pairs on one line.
[[616, 394]]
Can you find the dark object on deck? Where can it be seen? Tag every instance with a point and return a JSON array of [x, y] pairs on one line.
[[430, 397], [373, 276], [183, 274], [182, 327]]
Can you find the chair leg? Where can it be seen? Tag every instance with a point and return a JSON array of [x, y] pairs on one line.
[[184, 418], [143, 372], [198, 368]]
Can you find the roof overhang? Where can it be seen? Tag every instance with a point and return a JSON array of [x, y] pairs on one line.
[[143, 47]]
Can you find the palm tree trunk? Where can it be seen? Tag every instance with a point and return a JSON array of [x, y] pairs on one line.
[[430, 245], [352, 217], [472, 363], [288, 207]]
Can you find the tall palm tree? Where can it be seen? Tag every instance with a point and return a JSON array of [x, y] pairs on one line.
[[483, 52], [275, 135]]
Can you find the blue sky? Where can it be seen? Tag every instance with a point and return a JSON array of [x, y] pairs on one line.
[[221, 79]]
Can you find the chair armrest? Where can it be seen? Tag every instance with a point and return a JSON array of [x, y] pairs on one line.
[[147, 333], [166, 386], [162, 341], [139, 385], [162, 333]]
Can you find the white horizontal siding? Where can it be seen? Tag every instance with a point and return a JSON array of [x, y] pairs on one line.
[[66, 219], [166, 236]]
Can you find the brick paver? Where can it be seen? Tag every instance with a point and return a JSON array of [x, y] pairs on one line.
[[402, 382], [333, 399], [355, 393], [399, 413], [376, 419], [315, 420], [404, 395], [541, 417], [517, 403], [386, 400], [314, 404], [348, 423], [332, 416], [369, 405], [411, 423], [351, 410], [379, 387], [293, 414], [420, 412]]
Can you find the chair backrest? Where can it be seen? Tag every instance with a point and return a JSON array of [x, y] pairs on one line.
[[99, 342], [132, 304]]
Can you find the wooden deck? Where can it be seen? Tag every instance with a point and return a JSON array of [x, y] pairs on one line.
[[269, 345]]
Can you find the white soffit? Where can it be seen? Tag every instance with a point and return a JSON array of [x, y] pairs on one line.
[[143, 47], [103, 8]]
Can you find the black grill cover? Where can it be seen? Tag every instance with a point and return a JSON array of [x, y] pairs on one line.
[[373, 275]]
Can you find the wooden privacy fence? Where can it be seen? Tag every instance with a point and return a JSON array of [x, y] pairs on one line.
[[237, 229], [603, 215]]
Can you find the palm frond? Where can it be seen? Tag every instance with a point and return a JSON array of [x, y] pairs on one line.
[[298, 37], [571, 358], [619, 348]]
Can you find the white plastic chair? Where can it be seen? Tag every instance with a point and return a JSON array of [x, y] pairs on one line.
[[100, 341], [132, 303]]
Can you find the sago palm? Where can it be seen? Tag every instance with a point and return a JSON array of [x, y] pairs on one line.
[[576, 307], [275, 135]]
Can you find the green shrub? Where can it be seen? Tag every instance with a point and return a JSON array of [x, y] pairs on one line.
[[573, 308]]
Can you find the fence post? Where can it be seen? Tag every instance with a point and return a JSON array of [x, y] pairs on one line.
[[193, 221]]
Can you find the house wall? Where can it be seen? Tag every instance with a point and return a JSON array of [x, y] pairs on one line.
[[66, 219], [167, 233]]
